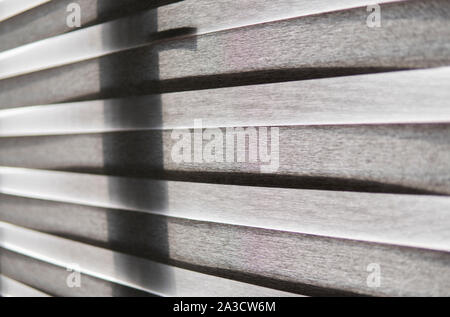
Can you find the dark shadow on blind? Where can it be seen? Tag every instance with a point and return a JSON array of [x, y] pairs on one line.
[[124, 228], [1, 255]]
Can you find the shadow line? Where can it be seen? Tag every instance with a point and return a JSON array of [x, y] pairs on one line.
[[122, 228]]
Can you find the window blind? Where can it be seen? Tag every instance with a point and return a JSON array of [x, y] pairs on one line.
[[90, 184]]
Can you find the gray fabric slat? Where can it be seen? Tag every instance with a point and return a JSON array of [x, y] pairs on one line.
[[419, 96], [130, 271], [380, 158], [86, 169], [305, 264], [10, 8], [137, 30], [52, 279], [413, 36], [49, 20], [384, 218], [12, 288]]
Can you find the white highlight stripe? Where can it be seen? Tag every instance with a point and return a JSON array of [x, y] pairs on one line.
[[68, 48], [103, 39], [412, 97], [10, 8], [382, 218], [12, 288], [138, 273]]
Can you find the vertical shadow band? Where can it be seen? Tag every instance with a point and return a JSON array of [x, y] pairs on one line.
[[120, 228]]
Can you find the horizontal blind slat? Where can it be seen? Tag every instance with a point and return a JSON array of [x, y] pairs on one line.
[[10, 8], [137, 30], [112, 266], [304, 264], [419, 96], [50, 19], [313, 46], [52, 279], [375, 217], [380, 158], [12, 288]]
